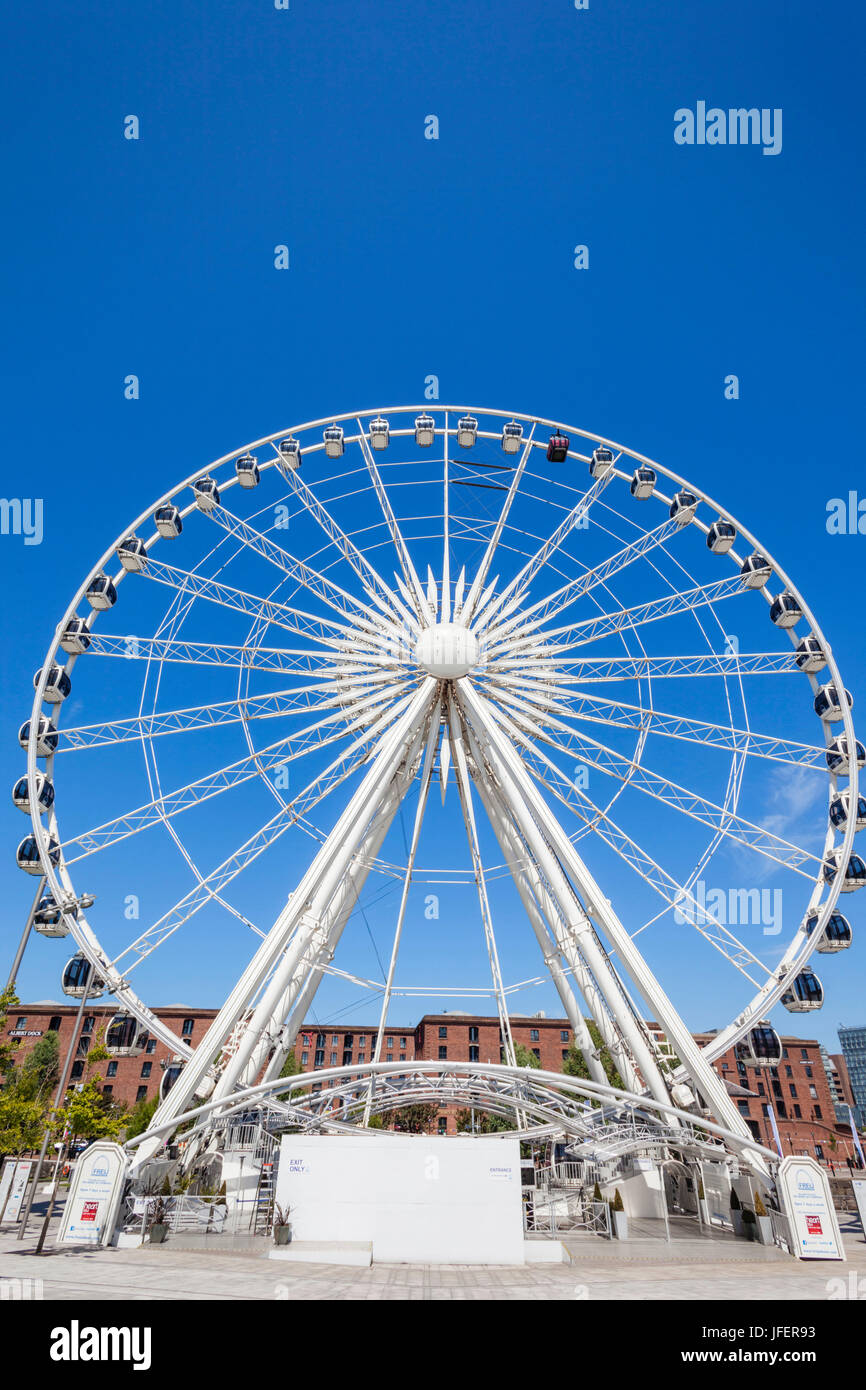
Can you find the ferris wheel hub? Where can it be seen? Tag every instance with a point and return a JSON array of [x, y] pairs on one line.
[[447, 651]]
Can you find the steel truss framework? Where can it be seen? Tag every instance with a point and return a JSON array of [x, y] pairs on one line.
[[490, 678]]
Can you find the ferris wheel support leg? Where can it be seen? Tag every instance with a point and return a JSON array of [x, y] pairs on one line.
[[710, 1086], [391, 751], [533, 817], [511, 848]]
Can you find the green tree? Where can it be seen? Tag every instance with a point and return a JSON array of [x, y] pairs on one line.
[[88, 1114], [412, 1119], [22, 1121], [524, 1057], [40, 1069], [140, 1116], [574, 1063], [484, 1123], [8, 1000]]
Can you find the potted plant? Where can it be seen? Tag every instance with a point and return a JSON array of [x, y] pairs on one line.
[[281, 1225], [618, 1218], [736, 1213], [157, 1221], [763, 1222], [599, 1206]]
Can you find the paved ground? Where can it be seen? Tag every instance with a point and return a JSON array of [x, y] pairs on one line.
[[686, 1269]]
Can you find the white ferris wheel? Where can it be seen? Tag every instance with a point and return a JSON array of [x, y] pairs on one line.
[[347, 641]]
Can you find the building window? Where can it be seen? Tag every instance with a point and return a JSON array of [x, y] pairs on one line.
[[474, 1052], [151, 1047], [112, 1069], [789, 1071], [335, 1038], [347, 1057], [389, 1057], [362, 1057], [563, 1035], [443, 1054], [87, 1024], [564, 1054], [348, 1042], [818, 1114], [536, 1052], [785, 1053], [320, 1040], [306, 1040], [798, 1114], [442, 1124], [77, 1070], [320, 1057], [793, 1089], [389, 1042], [813, 1093], [83, 1046], [141, 1093], [473, 1034], [54, 1023], [743, 1106], [808, 1071], [333, 1059], [761, 1091], [402, 1042], [108, 1091], [188, 1025], [533, 1035], [22, 1022], [146, 1068], [305, 1057], [780, 1106], [804, 1055], [362, 1041], [443, 1032]]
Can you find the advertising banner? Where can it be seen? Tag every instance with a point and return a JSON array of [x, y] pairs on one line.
[[808, 1205], [94, 1196]]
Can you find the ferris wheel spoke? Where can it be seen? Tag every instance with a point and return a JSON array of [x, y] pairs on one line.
[[330, 593], [608, 624], [284, 750], [681, 799], [475, 595], [621, 715], [513, 592], [283, 661], [283, 615], [608, 669], [415, 595], [375, 587], [557, 602]]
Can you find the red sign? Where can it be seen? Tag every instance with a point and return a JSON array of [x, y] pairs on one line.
[[813, 1226], [89, 1210]]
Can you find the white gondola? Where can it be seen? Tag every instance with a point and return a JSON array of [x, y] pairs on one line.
[[207, 494], [839, 808], [828, 704], [289, 451], [785, 611], [601, 462], [101, 593], [132, 554], [125, 1036], [755, 570], [247, 470], [643, 483], [46, 737], [836, 935], [380, 433], [683, 507], [44, 797], [855, 871], [48, 920], [721, 537], [57, 685], [76, 637], [512, 435], [810, 655], [838, 759], [334, 442], [761, 1047], [27, 855], [169, 1076], [168, 521], [80, 979], [425, 430], [804, 995], [467, 431]]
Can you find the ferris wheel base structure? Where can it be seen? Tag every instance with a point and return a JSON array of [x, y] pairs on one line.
[[451, 604]]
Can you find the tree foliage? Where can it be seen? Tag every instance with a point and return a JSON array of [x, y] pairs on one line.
[[575, 1064], [411, 1119]]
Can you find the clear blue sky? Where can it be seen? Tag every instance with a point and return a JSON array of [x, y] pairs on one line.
[[411, 256]]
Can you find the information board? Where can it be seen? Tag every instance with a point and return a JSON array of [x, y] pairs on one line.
[[808, 1205], [94, 1196]]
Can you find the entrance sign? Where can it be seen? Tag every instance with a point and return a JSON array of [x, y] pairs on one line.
[[13, 1185], [94, 1196], [808, 1205]]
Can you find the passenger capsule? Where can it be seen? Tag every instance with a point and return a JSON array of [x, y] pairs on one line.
[[48, 919], [855, 871], [334, 443], [76, 637], [683, 507], [80, 979], [169, 1077], [512, 435], [101, 593], [247, 470], [289, 451], [804, 995], [721, 537], [168, 521], [207, 494], [467, 431], [380, 433], [601, 462], [785, 611], [838, 759], [57, 685], [557, 448], [839, 810], [27, 855], [836, 935], [810, 655], [44, 794], [132, 554], [643, 483], [755, 571], [46, 737], [761, 1047], [125, 1036], [828, 705], [425, 429]]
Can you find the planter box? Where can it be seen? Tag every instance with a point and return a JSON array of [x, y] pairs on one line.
[[764, 1227], [619, 1223], [282, 1235], [158, 1234]]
